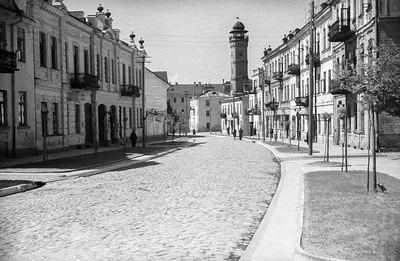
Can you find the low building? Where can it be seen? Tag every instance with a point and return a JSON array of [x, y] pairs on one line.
[[205, 111]]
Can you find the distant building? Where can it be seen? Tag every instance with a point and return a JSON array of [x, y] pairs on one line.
[[205, 111]]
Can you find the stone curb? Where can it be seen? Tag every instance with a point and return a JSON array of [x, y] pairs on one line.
[[20, 188]]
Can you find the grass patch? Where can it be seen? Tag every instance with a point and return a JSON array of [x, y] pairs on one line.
[[343, 220]]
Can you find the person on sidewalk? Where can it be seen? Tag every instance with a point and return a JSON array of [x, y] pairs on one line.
[[271, 133], [228, 129], [234, 134], [194, 132], [133, 138], [240, 133]]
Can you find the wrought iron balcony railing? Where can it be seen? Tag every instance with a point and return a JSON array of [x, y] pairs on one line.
[[130, 90], [223, 115], [301, 101], [235, 115], [84, 81], [8, 61], [316, 59], [340, 30], [294, 69], [277, 76]]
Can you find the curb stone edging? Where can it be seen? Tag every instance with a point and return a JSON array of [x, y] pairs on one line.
[[21, 188]]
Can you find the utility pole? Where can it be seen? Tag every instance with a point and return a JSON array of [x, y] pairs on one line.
[[262, 103], [311, 91], [143, 61]]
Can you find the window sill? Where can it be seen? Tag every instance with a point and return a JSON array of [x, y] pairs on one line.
[[23, 127]]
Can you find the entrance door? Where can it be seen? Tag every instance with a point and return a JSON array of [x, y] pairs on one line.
[[102, 124], [88, 124], [113, 124]]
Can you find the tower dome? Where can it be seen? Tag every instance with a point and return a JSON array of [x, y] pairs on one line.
[[238, 27]]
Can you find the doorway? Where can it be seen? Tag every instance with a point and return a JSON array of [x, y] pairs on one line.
[[88, 124]]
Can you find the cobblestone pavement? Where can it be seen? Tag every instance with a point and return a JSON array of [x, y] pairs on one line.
[[199, 203]]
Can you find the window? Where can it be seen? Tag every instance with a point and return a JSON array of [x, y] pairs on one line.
[[324, 87], [123, 74], [324, 39], [129, 75], [207, 103], [106, 72], [44, 112], [98, 66], [86, 61], [66, 57], [55, 119], [182, 99], [77, 119], [208, 125], [3, 38], [76, 59], [207, 113], [182, 111], [43, 49], [130, 118], [137, 77], [22, 108], [21, 44], [53, 52], [319, 123], [329, 78], [113, 71], [3, 100], [362, 119], [349, 116], [355, 116]]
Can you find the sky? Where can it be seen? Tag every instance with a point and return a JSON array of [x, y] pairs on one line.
[[190, 38]]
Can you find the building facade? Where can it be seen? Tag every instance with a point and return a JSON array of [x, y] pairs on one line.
[[205, 111], [77, 83]]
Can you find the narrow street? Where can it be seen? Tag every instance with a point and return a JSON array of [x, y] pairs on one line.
[[200, 203]]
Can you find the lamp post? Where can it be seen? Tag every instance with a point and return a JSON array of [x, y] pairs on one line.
[[141, 41]]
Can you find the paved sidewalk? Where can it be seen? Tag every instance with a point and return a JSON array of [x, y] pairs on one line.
[[278, 236]]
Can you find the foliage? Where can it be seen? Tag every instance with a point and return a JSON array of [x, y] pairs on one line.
[[378, 80], [169, 107]]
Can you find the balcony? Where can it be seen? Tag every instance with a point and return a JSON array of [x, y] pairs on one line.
[[338, 86], [130, 90], [271, 105], [316, 60], [8, 61], [222, 115], [84, 81], [340, 31], [294, 69], [277, 76], [235, 115], [301, 101]]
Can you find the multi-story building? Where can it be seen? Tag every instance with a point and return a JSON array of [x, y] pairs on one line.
[[344, 33], [287, 80], [205, 111], [17, 93], [78, 84]]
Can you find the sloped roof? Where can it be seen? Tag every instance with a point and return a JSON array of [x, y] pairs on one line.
[[162, 74]]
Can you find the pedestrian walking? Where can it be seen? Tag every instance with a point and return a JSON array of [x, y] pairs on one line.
[[194, 132], [271, 133], [240, 133], [228, 129], [133, 138], [255, 131], [234, 134]]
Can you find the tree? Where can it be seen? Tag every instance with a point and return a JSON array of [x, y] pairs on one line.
[[169, 107], [378, 82]]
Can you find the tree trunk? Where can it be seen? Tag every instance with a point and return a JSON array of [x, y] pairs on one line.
[[373, 149], [369, 146]]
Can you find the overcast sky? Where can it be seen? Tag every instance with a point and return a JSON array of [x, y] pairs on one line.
[[190, 38]]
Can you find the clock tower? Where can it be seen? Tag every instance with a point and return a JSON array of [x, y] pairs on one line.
[[239, 73]]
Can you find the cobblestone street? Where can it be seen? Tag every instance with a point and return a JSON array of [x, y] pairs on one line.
[[199, 203]]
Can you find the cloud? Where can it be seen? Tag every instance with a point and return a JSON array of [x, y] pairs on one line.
[[175, 78]]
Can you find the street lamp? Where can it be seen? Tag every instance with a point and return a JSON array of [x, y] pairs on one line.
[[141, 41]]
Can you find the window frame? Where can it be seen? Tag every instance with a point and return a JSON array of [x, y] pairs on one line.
[[22, 105], [21, 44], [43, 49], [3, 109], [53, 48]]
